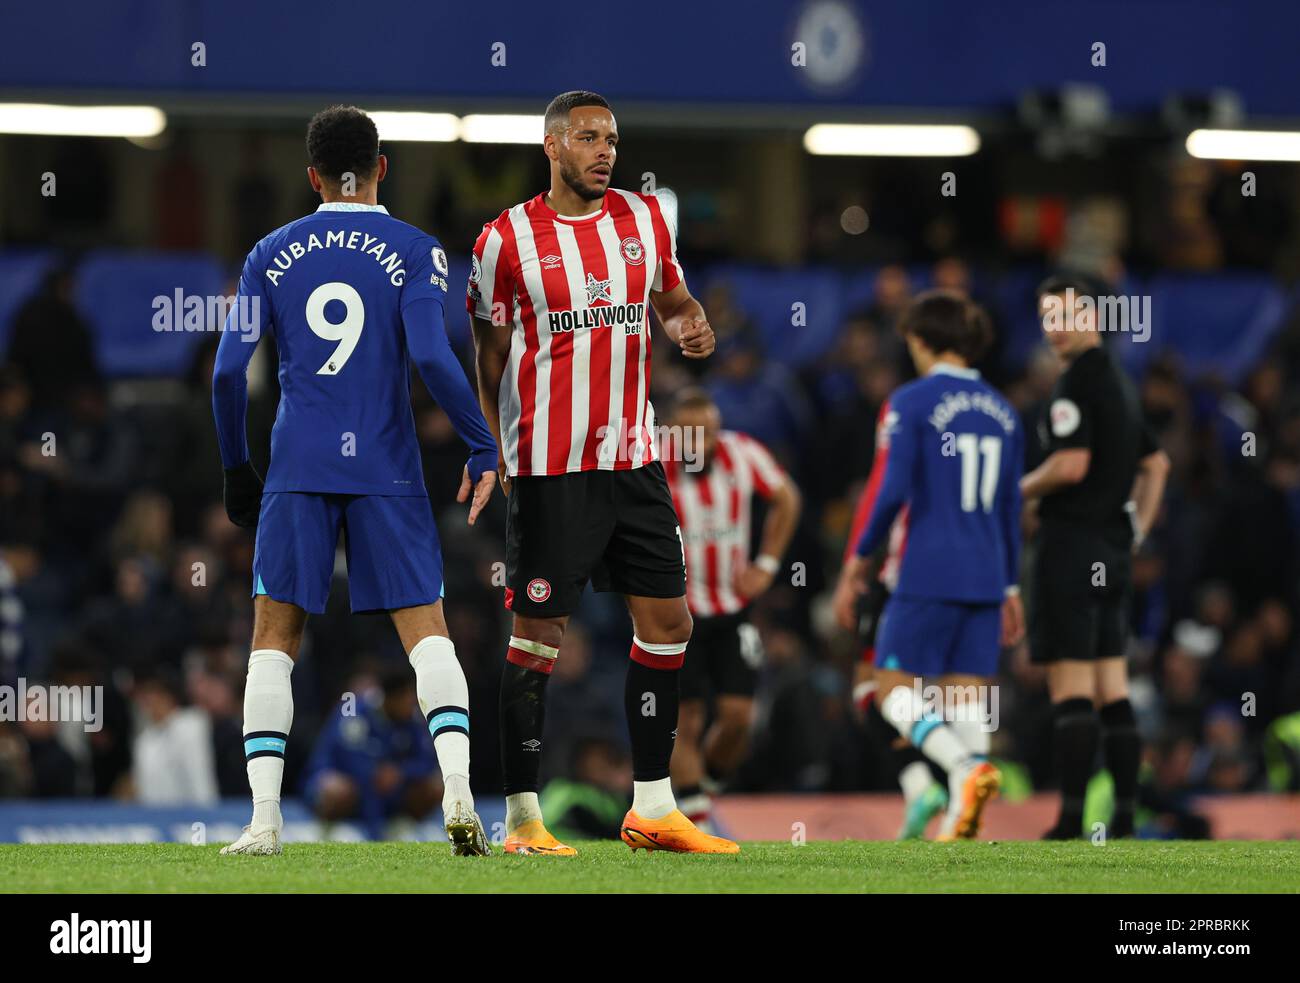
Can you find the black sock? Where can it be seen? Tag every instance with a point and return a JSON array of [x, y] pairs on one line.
[[1122, 749], [523, 712], [1075, 740], [650, 698]]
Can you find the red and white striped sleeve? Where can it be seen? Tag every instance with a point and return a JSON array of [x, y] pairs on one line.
[[491, 291], [668, 272], [768, 475], [868, 497]]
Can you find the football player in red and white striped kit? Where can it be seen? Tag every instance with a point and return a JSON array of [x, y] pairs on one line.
[[714, 479], [560, 291]]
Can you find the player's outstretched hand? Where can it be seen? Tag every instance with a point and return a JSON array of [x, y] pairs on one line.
[[1013, 620], [696, 338], [243, 494], [482, 491]]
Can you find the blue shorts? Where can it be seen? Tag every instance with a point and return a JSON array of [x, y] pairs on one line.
[[927, 637], [390, 541]]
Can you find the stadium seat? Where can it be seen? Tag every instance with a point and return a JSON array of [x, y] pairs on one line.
[[1013, 294], [859, 289], [115, 294], [768, 296], [1218, 324]]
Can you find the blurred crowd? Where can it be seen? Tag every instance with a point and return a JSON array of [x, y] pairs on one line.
[[119, 569], [1215, 652]]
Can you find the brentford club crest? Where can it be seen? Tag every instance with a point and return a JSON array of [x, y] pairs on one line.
[[632, 250], [538, 589]]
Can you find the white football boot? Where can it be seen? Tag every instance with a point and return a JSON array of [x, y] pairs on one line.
[[465, 831], [263, 842]]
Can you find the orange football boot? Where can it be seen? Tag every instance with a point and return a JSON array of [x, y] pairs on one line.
[[981, 785], [531, 839], [674, 832]]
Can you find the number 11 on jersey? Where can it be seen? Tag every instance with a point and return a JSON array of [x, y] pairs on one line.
[[976, 450]]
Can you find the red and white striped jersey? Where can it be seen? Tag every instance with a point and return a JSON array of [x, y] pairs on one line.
[[888, 574], [714, 509], [574, 396]]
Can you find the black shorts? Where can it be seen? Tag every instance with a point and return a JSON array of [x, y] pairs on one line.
[[1079, 592], [722, 658], [616, 528]]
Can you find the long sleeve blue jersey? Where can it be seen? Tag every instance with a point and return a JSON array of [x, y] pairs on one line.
[[956, 454], [348, 293]]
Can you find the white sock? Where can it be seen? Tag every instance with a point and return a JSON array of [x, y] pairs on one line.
[[904, 708], [521, 807], [653, 800], [915, 779], [968, 723], [444, 700], [268, 717]]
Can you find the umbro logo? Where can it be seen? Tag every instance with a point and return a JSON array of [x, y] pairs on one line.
[[551, 262], [532, 745]]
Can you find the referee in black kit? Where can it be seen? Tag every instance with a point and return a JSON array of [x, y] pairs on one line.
[[1098, 493]]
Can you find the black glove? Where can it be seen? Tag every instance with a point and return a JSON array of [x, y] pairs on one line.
[[243, 494]]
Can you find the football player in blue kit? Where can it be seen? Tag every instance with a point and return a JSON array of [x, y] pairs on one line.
[[955, 457], [351, 297]]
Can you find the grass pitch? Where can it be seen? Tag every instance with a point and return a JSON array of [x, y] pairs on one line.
[[610, 868]]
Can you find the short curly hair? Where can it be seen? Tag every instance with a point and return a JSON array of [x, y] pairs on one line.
[[342, 139]]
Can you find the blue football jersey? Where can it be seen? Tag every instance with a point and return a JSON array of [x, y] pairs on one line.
[[955, 450], [337, 291]]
